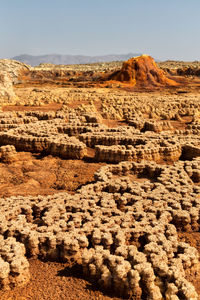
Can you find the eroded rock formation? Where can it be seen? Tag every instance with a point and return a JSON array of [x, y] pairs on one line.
[[8, 153], [142, 70], [123, 232], [123, 228], [13, 68], [7, 94], [48, 133], [9, 73]]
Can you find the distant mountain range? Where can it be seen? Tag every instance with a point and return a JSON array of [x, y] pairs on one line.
[[71, 59]]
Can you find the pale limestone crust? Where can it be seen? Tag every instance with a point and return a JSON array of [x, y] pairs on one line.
[[14, 267], [123, 228], [7, 94], [122, 232]]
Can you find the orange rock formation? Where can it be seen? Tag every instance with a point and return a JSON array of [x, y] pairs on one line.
[[142, 70]]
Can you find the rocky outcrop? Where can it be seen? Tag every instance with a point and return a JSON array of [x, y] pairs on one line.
[[13, 68], [8, 154], [142, 71], [62, 146], [7, 94], [14, 267], [150, 152], [122, 231], [188, 71], [48, 133], [122, 228], [9, 74]]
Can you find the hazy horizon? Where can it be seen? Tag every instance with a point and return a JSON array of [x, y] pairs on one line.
[[165, 30], [106, 54]]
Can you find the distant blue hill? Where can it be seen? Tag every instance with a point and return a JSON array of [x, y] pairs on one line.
[[71, 59]]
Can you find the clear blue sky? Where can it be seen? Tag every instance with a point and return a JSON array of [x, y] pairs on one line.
[[165, 29]]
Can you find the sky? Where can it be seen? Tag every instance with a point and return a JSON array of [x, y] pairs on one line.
[[164, 29]]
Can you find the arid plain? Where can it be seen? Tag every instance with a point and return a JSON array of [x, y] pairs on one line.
[[100, 181]]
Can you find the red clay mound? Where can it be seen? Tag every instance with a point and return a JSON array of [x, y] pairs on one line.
[[143, 71]]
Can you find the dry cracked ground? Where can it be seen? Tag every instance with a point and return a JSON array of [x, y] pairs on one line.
[[100, 182]]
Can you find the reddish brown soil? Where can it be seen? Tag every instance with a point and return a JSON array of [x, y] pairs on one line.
[[181, 125], [44, 108], [32, 175], [113, 123], [77, 103], [54, 281], [185, 85], [142, 71]]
